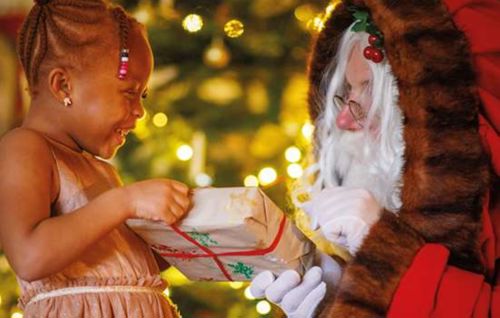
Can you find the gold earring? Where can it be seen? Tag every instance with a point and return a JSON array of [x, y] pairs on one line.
[[67, 101]]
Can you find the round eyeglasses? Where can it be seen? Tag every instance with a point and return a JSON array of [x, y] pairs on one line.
[[357, 111]]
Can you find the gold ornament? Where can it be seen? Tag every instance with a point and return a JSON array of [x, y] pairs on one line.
[[219, 90], [217, 55], [234, 28]]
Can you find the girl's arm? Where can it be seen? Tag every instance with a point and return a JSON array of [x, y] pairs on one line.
[[36, 244]]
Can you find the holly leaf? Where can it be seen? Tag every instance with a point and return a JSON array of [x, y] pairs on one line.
[[361, 16], [359, 26], [370, 28]]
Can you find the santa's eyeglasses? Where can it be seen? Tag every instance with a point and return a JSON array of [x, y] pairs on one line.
[[357, 111]]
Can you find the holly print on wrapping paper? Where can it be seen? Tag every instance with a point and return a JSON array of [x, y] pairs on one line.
[[202, 238], [242, 269]]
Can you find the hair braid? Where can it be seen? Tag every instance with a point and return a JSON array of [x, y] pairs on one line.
[[63, 32], [27, 39], [93, 4], [30, 43], [123, 25], [43, 48], [21, 42]]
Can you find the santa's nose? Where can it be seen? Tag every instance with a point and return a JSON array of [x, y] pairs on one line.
[[345, 121]]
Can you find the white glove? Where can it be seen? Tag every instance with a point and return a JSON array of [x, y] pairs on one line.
[[344, 215], [297, 298], [332, 271]]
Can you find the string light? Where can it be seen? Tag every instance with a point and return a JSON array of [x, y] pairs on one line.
[[248, 294], [192, 23], [293, 154], [317, 23], [16, 315], [267, 176], [160, 120], [294, 170], [263, 307], [251, 181], [234, 28], [330, 8], [184, 153]]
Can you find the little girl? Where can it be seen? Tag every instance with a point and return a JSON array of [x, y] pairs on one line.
[[62, 209]]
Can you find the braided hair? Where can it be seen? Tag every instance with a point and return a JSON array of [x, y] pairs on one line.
[[69, 31]]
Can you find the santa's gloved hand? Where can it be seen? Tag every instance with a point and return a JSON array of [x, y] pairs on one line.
[[298, 298], [344, 215], [332, 271]]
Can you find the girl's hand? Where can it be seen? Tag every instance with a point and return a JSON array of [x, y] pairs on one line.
[[158, 200], [344, 215]]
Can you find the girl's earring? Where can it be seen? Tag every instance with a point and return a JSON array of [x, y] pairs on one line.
[[67, 101]]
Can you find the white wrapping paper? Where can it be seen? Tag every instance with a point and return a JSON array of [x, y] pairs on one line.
[[229, 234]]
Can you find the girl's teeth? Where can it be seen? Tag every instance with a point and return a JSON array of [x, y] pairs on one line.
[[122, 132]]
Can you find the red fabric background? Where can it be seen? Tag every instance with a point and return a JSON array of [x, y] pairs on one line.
[[430, 288]]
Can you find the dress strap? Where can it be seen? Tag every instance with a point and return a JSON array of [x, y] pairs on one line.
[[93, 290]]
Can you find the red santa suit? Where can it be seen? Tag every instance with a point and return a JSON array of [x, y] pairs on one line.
[[438, 256], [431, 288]]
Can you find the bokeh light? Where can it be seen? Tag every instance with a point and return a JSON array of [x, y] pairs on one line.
[[251, 181], [184, 152], [307, 130], [294, 170], [267, 175], [236, 285], [160, 120], [166, 292], [203, 180], [192, 23], [293, 154], [263, 307], [248, 294]]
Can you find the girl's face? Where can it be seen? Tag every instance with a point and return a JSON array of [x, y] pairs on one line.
[[106, 108]]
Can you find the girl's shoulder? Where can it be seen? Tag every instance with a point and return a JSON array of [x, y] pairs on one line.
[[22, 142], [26, 160]]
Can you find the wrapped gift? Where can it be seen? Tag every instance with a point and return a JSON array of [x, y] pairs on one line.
[[230, 234]]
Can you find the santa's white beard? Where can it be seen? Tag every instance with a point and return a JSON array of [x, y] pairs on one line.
[[359, 166]]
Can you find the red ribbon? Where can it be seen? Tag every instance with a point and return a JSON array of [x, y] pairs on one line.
[[215, 256]]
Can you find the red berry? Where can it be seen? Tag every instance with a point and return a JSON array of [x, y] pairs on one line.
[[372, 39], [377, 55], [368, 52]]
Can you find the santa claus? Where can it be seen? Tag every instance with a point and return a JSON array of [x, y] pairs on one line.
[[405, 97]]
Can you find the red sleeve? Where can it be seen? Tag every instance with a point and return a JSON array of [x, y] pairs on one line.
[[430, 288]]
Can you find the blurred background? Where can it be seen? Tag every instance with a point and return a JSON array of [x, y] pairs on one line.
[[226, 107]]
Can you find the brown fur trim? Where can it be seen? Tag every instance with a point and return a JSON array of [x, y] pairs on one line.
[[446, 171], [385, 256]]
